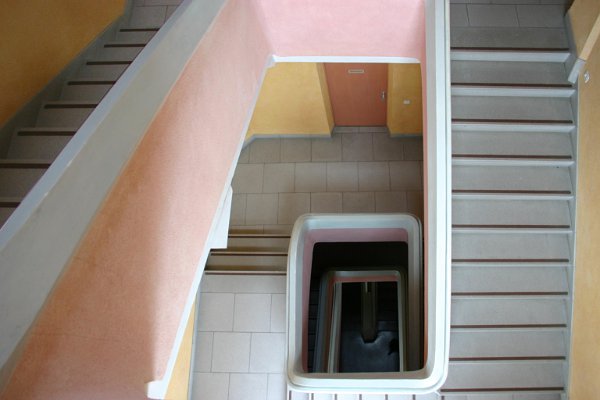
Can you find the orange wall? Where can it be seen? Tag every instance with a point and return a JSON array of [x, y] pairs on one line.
[[40, 38], [585, 346], [584, 16], [404, 83]]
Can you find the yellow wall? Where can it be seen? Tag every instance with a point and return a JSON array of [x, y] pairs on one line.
[[585, 21], [404, 83], [39, 38], [180, 380], [293, 99]]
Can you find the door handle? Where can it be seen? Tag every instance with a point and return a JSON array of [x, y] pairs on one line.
[[383, 95]]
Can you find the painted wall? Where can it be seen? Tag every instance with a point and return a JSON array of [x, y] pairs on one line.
[[404, 83], [293, 99], [40, 38], [585, 21], [180, 381], [110, 324], [585, 346]]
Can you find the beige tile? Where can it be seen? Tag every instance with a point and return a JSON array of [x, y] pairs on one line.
[[291, 206], [203, 354], [265, 150], [216, 312], [248, 387], [238, 209], [252, 312], [231, 352], [326, 202], [210, 386], [244, 156], [413, 149], [278, 312], [405, 175], [342, 176], [373, 176], [415, 203], [248, 178], [295, 150], [261, 209], [358, 202], [386, 148], [311, 177], [327, 149], [386, 202], [278, 178], [357, 147], [267, 352]]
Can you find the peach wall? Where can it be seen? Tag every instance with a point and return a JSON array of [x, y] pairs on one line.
[[110, 324], [40, 38]]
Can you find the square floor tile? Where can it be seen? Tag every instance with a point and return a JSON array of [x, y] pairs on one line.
[[327, 149], [244, 156], [267, 352], [388, 202], [295, 150], [373, 176], [265, 151], [311, 177], [413, 149], [215, 312], [362, 202], [405, 175], [386, 148], [203, 355], [357, 147], [278, 178], [261, 209], [276, 387], [330, 202], [231, 352], [243, 284], [210, 386], [342, 176], [278, 313], [291, 206], [248, 387], [248, 178], [252, 313]]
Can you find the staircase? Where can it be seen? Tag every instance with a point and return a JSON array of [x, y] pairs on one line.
[[33, 148]]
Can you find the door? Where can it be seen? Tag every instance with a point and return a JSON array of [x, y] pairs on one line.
[[358, 93]]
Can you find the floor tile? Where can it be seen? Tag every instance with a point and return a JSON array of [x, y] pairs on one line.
[[458, 15], [386, 148], [216, 312], [413, 149], [342, 176], [276, 387], [492, 15], [278, 321], [210, 386], [327, 149], [238, 209], [248, 387], [231, 352], [252, 313], [358, 202], [405, 175], [265, 150], [203, 356], [345, 129], [387, 202], [244, 155], [374, 129], [267, 352], [278, 178], [330, 202], [373, 176], [311, 177], [248, 178], [291, 206], [538, 16], [243, 284], [295, 150], [357, 147], [261, 209]]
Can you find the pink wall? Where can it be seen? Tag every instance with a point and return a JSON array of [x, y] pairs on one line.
[[110, 325]]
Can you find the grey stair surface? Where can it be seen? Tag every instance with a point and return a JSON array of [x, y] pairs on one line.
[[33, 148]]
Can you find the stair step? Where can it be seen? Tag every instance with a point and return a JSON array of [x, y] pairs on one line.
[[91, 90], [7, 207], [512, 109], [481, 246], [65, 113], [504, 377], [509, 38], [478, 125], [135, 35], [495, 280], [522, 144], [514, 54], [258, 242], [17, 177], [512, 90], [115, 52], [511, 179], [524, 160], [508, 312], [507, 72], [487, 344], [511, 212], [43, 144], [228, 260], [98, 71]]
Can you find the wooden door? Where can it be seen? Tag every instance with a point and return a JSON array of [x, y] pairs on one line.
[[358, 93]]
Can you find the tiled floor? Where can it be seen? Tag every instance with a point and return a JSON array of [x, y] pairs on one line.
[[277, 180]]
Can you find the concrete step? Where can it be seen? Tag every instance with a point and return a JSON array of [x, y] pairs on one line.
[[509, 108], [88, 90], [258, 242], [17, 177], [135, 35], [109, 70], [65, 113], [40, 142], [7, 207], [509, 72], [120, 51], [253, 261], [508, 38], [513, 54]]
